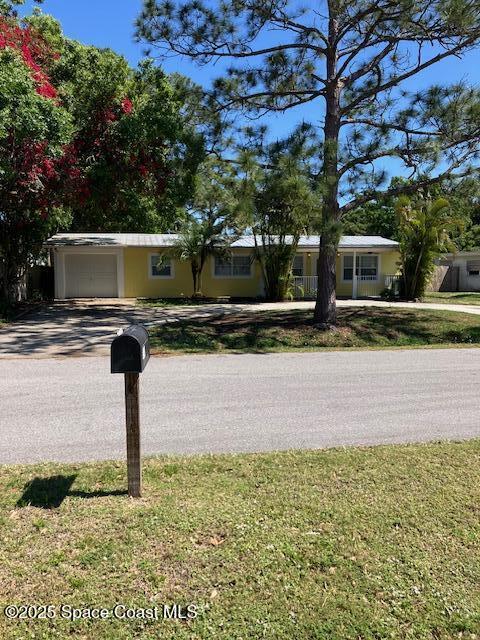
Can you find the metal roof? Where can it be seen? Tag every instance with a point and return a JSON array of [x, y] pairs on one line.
[[112, 239], [354, 242], [168, 239]]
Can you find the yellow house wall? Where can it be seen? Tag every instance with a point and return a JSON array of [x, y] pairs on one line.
[[139, 284], [388, 266]]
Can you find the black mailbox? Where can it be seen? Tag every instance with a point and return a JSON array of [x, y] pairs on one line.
[[130, 350]]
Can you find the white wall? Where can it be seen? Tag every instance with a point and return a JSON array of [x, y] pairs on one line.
[[466, 282]]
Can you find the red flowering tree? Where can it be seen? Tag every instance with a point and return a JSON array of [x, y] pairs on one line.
[[33, 130], [138, 154], [86, 143]]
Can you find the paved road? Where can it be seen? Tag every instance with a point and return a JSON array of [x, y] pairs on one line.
[[72, 408], [86, 327]]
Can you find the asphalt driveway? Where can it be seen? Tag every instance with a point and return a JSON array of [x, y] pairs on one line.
[[87, 327], [73, 408]]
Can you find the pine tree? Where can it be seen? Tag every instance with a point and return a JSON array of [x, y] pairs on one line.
[[353, 58]]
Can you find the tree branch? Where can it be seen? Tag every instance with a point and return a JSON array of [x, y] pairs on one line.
[[408, 74], [217, 51], [388, 125], [368, 158], [408, 188]]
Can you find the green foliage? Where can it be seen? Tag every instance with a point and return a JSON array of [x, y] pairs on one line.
[[8, 7], [32, 132], [424, 231], [122, 197], [210, 217], [86, 142], [285, 208], [372, 219], [279, 204], [26, 113], [197, 240], [464, 199], [379, 217]]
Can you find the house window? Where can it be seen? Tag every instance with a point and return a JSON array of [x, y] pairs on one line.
[[367, 267], [473, 267], [348, 267], [297, 267], [160, 266], [233, 266]]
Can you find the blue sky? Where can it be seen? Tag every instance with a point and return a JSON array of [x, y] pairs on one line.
[[110, 23]]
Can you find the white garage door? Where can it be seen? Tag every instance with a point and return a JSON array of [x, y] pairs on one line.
[[91, 275]]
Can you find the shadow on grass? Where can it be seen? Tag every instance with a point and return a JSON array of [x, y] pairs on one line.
[[49, 493], [357, 327]]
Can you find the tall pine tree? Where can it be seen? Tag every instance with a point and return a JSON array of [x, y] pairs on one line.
[[355, 59]]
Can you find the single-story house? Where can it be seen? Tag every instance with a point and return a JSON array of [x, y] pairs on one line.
[[457, 272], [133, 265]]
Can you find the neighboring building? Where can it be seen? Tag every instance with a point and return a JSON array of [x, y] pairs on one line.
[[457, 272], [105, 265]]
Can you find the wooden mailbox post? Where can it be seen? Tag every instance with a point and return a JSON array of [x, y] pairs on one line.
[[129, 355]]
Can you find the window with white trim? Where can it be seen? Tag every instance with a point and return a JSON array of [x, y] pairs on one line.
[[160, 266], [297, 266], [233, 266], [367, 267]]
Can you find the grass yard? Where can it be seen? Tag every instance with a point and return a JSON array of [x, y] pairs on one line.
[[182, 302], [293, 330], [453, 297], [380, 542]]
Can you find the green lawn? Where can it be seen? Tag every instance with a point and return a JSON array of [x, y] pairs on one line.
[[293, 330], [453, 298], [379, 542]]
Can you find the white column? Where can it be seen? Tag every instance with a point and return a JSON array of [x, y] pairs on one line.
[[120, 273], [354, 277]]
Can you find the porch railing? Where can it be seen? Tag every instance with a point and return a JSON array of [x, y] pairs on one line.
[[367, 286], [392, 282], [389, 280], [305, 287]]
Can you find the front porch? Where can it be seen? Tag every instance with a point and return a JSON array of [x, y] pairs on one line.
[[362, 286]]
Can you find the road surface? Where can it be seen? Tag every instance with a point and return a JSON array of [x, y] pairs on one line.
[[72, 408]]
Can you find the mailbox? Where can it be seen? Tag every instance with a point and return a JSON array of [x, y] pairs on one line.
[[130, 350]]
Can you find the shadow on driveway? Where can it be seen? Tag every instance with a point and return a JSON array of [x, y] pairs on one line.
[[85, 327], [64, 328]]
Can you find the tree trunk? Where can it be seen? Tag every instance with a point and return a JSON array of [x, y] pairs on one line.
[[195, 279], [199, 292], [12, 278], [325, 315], [197, 268]]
